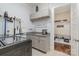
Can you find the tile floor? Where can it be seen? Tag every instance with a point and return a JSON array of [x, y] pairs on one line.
[[55, 53]]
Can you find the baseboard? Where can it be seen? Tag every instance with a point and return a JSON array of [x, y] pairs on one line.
[[39, 50]]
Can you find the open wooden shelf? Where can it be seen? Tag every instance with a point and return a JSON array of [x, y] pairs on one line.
[[62, 48]]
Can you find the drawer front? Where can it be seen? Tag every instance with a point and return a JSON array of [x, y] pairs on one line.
[[43, 45], [34, 43]]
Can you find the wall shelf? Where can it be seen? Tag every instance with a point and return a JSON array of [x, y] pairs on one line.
[[59, 21]]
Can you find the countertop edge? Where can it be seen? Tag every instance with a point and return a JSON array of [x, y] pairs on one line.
[[11, 44]]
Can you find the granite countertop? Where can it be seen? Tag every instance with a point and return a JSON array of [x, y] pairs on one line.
[[11, 44], [37, 34]]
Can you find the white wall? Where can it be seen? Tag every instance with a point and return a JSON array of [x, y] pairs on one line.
[[41, 6], [19, 10]]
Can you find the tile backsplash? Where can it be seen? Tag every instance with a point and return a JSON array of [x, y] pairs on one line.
[[42, 24]]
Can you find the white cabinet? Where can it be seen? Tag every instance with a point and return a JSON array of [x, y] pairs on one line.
[[40, 14], [35, 41], [41, 43], [44, 44]]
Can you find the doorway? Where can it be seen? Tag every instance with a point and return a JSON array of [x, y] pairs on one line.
[[62, 29]]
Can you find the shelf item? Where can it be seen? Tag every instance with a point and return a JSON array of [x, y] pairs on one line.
[[62, 41], [64, 20], [40, 14], [59, 26], [10, 19], [66, 40], [57, 20]]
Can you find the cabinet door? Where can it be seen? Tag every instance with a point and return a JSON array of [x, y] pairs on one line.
[[15, 52], [38, 43], [43, 44], [34, 41], [28, 50], [19, 51]]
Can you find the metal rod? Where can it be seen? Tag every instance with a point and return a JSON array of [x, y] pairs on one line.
[[5, 21], [2, 43], [14, 29]]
